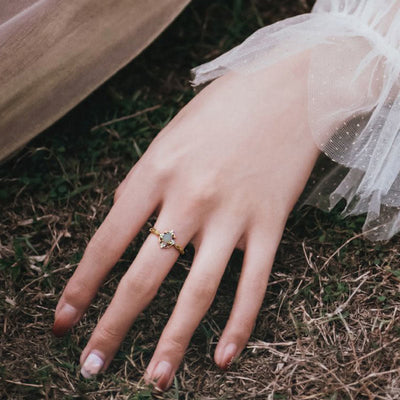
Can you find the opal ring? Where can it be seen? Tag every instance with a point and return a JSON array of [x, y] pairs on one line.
[[167, 239]]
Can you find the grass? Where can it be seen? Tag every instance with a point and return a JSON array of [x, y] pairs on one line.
[[329, 327]]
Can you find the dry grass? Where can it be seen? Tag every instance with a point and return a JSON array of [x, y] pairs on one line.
[[329, 327]]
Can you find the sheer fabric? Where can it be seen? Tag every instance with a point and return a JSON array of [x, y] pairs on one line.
[[354, 99], [53, 53]]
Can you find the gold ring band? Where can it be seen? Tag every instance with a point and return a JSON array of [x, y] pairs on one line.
[[167, 239]]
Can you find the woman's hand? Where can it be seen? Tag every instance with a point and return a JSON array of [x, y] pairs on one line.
[[224, 174]]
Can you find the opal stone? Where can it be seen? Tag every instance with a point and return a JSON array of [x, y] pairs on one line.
[[167, 237]]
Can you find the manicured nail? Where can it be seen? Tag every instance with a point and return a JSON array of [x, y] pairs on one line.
[[92, 366], [229, 353], [162, 375], [66, 318]]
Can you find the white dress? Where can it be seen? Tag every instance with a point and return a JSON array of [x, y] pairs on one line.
[[53, 53], [353, 99]]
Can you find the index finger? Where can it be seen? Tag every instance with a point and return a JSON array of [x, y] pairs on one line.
[[121, 225]]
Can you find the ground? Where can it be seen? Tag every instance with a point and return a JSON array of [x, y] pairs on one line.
[[329, 327]]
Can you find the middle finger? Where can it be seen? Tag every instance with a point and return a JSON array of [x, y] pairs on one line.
[[215, 249]]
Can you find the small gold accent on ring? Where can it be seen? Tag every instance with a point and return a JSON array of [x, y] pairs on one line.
[[167, 239]]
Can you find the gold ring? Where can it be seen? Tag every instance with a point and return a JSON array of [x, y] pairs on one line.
[[167, 239]]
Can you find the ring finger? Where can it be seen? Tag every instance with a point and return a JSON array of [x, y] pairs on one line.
[[135, 290]]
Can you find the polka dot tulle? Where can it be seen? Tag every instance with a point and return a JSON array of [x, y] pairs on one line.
[[353, 73]]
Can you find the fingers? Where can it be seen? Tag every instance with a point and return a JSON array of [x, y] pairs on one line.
[[119, 228], [257, 265], [135, 290], [194, 300]]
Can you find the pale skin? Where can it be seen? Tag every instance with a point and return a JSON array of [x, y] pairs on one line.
[[224, 174]]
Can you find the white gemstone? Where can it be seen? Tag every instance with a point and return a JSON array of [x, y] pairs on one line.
[[166, 237]]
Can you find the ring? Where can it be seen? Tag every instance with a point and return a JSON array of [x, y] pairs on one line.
[[167, 239]]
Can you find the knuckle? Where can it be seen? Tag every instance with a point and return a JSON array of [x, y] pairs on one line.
[[244, 334], [151, 164], [242, 331], [77, 293], [107, 334], [200, 197], [139, 285], [203, 290], [174, 344]]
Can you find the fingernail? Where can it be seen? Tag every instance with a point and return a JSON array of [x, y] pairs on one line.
[[92, 366], [162, 375], [229, 354], [66, 317]]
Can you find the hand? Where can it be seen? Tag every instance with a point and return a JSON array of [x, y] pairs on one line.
[[224, 174]]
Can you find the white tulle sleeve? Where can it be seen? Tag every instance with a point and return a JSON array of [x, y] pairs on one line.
[[353, 99]]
